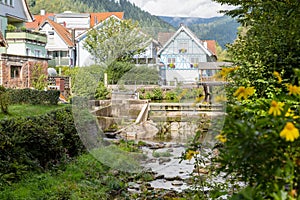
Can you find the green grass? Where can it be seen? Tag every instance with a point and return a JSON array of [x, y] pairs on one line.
[[84, 178], [26, 110]]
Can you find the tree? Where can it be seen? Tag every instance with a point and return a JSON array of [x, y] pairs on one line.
[[38, 77], [269, 42], [114, 44], [261, 130], [115, 40]]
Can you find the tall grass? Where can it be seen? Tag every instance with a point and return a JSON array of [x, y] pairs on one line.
[[84, 178]]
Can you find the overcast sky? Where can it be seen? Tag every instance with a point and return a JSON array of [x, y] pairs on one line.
[[181, 8]]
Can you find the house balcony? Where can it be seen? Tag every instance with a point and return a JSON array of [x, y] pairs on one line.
[[26, 36], [59, 61]]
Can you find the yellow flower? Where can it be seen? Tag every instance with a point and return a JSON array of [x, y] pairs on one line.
[[293, 89], [289, 113], [190, 154], [289, 132], [276, 108], [221, 138], [277, 75], [243, 92], [226, 70]]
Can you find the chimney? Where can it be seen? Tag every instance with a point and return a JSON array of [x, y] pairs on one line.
[[205, 44], [43, 12]]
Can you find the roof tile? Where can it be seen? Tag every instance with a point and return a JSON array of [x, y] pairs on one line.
[[99, 17], [38, 19]]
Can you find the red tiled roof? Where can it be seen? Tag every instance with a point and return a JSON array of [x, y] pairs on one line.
[[38, 19], [62, 32], [211, 46], [2, 40], [99, 17]]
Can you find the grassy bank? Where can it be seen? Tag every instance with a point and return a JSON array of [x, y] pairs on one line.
[[83, 178], [25, 110]]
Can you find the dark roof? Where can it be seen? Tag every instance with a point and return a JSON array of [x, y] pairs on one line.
[[163, 37]]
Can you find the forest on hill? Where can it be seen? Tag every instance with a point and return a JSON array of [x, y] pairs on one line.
[[222, 29], [150, 23]]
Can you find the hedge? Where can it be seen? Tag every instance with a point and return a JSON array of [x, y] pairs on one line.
[[37, 143], [30, 96]]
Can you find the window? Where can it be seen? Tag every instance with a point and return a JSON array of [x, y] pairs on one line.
[[195, 60], [51, 37], [37, 53], [8, 2], [15, 72], [183, 46], [27, 51], [171, 60]]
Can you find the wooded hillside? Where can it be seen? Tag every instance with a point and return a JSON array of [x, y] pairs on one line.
[[221, 29]]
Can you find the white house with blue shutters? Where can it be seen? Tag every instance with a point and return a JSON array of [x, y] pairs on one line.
[[180, 56]]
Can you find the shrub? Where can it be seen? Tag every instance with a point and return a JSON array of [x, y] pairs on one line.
[[37, 143], [101, 92], [11, 28], [157, 94], [29, 96], [39, 79], [4, 100]]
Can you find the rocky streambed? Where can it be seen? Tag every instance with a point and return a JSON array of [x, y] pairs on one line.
[[169, 172]]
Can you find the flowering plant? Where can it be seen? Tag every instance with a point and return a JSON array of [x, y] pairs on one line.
[[260, 139], [182, 50], [171, 65]]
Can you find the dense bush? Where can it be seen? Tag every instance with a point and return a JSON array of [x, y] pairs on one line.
[[37, 143], [4, 100], [19, 96]]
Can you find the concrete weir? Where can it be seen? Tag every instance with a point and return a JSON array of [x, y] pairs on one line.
[[139, 119]]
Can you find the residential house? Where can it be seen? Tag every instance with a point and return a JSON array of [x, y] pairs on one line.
[[22, 50], [84, 58], [61, 29], [60, 43], [148, 57], [181, 54], [80, 22]]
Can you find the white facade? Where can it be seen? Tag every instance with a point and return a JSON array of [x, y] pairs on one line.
[[77, 21], [59, 43], [84, 58], [180, 56], [54, 41]]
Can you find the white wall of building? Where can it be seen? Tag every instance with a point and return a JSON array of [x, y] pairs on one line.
[[182, 75], [84, 58], [54, 41]]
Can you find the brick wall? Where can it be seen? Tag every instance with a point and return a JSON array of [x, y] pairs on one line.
[[16, 72]]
